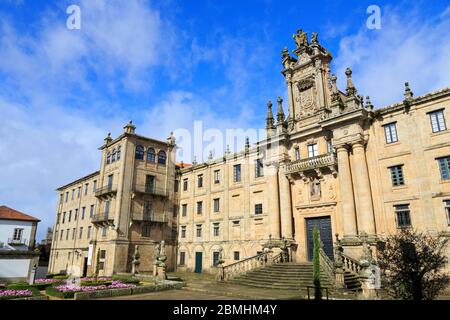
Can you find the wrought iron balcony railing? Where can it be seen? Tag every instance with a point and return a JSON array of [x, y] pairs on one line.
[[17, 242], [150, 189], [325, 160], [150, 217], [102, 217], [106, 190]]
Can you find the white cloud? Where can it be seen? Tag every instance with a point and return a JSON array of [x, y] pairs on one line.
[[407, 48]]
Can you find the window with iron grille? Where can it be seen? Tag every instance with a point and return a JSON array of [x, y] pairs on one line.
[[437, 121], [236, 255], [216, 227], [397, 175], [390, 131], [216, 205], [403, 215], [216, 176], [182, 258], [258, 208], [199, 231], [447, 210], [146, 230], [259, 168], [237, 173], [444, 167]]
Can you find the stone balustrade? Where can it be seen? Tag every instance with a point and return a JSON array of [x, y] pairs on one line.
[[325, 160]]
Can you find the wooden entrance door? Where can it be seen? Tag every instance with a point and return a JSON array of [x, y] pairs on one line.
[[323, 224]]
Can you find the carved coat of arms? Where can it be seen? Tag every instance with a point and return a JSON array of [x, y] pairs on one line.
[[305, 96]]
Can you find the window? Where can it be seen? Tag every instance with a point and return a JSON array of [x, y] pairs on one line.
[[216, 176], [94, 187], [146, 230], [91, 212], [199, 207], [176, 186], [81, 233], [74, 231], [147, 210], [101, 265], [110, 181], [108, 158], [70, 215], [182, 258], [76, 215], [397, 175], [444, 167], [215, 258], [236, 255], [67, 234], [259, 168], [56, 235], [73, 194], [258, 208], [64, 217], [67, 196], [162, 157], [61, 198], [175, 211], [58, 217], [329, 146], [297, 153], [199, 230], [437, 121], [184, 210], [151, 155], [139, 153], [18, 232], [390, 132], [106, 207], [200, 180], [447, 210], [69, 255], [86, 188], [83, 212], [102, 254], [185, 184], [403, 215], [216, 229], [118, 152], [183, 232], [79, 192], [312, 150], [61, 235], [216, 205], [104, 231], [113, 156], [89, 232], [237, 173], [149, 183], [236, 223]]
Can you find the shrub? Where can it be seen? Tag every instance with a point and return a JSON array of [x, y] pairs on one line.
[[316, 265], [126, 279], [25, 286], [61, 277], [85, 283], [52, 291]]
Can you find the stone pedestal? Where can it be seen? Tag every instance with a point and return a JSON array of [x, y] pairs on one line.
[[339, 282], [161, 273]]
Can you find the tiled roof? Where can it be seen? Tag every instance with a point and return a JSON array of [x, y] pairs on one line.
[[11, 214]]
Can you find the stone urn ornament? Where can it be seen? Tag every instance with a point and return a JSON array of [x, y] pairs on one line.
[[136, 260]]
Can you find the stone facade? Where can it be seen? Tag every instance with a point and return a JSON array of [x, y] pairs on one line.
[[334, 161]]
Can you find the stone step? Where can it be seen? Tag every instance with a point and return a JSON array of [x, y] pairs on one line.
[[280, 277], [299, 286]]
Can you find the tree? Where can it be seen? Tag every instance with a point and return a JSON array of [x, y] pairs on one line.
[[411, 265], [316, 265]]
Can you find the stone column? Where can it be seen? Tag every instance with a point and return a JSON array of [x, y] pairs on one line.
[[274, 202], [346, 193], [362, 190], [290, 96], [285, 205]]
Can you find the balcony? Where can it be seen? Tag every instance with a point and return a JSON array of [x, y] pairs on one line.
[[17, 242], [328, 160], [150, 190], [104, 218], [150, 217], [106, 191]]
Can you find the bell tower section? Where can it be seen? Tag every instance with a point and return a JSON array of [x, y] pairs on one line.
[[308, 81]]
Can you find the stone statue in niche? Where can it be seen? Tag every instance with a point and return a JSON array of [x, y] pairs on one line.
[[315, 188]]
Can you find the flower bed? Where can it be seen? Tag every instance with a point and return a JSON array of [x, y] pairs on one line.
[[15, 294], [68, 291]]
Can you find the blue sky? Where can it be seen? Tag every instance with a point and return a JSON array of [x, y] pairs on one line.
[[165, 64]]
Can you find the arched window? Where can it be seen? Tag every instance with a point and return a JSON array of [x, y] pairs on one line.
[[113, 156], [139, 153], [108, 158], [162, 157], [118, 153], [151, 155]]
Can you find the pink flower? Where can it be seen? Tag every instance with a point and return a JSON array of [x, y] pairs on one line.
[[12, 293]]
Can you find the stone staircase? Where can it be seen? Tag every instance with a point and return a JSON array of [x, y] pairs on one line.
[[351, 281], [284, 276]]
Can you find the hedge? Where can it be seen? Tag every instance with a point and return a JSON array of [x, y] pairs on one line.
[[96, 283], [24, 286], [52, 291], [126, 279]]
